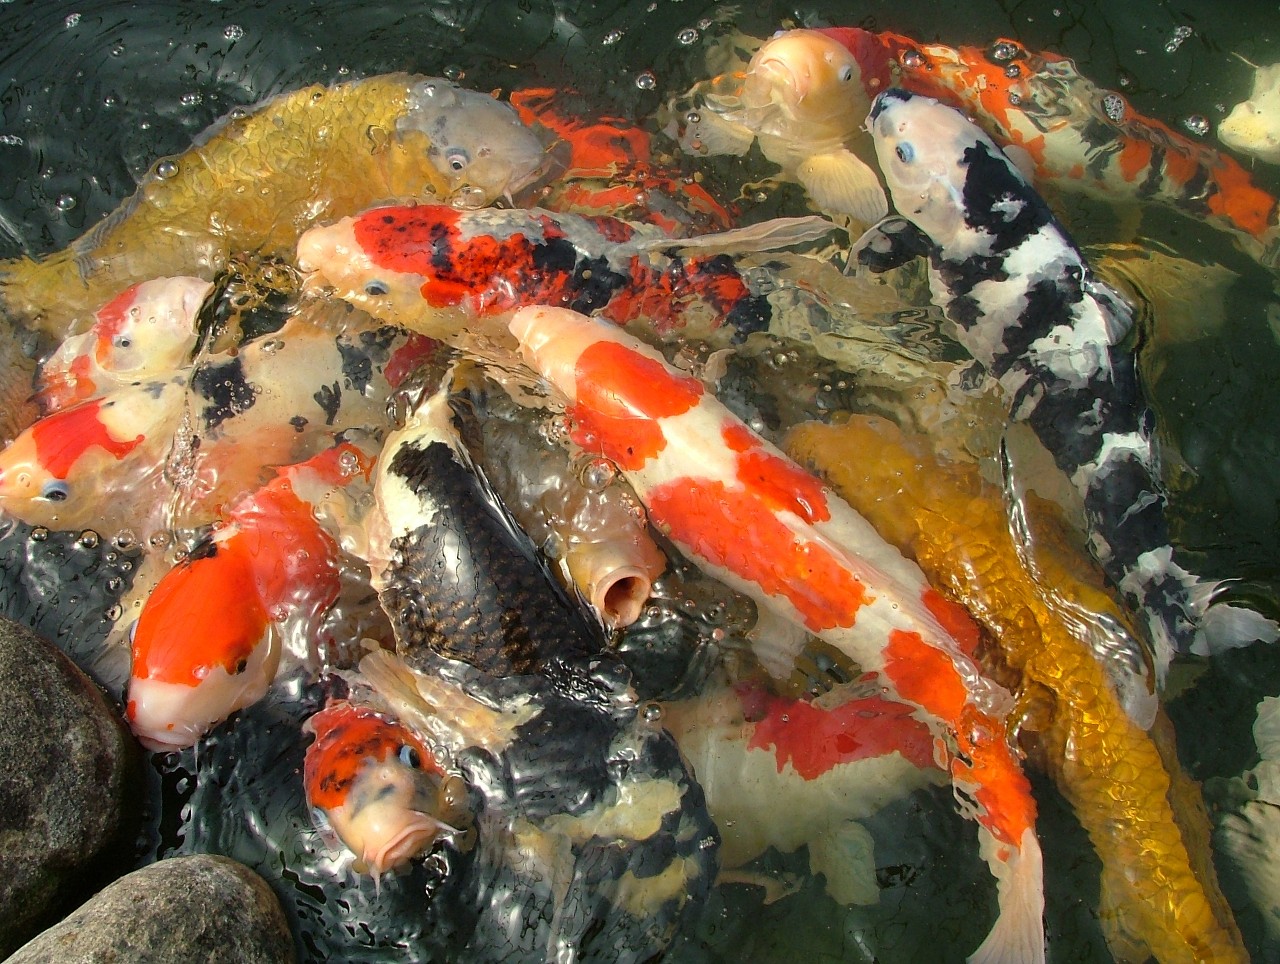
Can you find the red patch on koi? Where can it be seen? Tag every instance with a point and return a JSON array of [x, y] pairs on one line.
[[408, 357], [349, 738], [62, 438], [955, 619], [735, 529], [621, 398], [816, 740], [776, 480], [111, 318]]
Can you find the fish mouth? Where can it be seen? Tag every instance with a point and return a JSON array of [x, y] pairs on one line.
[[418, 833]]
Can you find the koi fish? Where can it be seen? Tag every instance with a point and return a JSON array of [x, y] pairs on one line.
[[255, 180], [147, 331], [1067, 131], [380, 788], [752, 518], [785, 772], [434, 269], [210, 636], [611, 168], [1056, 629], [1027, 307], [799, 99], [1253, 126], [61, 470], [580, 515]]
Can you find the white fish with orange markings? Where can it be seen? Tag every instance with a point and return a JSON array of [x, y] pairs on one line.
[[380, 788], [754, 519], [210, 636], [800, 99], [146, 331]]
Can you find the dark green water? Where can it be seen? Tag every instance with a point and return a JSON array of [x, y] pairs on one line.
[[92, 93]]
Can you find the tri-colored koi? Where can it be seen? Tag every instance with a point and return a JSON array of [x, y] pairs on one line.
[[756, 520], [431, 268], [1075, 135], [146, 332], [380, 788], [1158, 899], [1026, 305], [209, 638]]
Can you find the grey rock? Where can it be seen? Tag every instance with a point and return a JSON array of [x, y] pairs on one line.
[[200, 908], [67, 769]]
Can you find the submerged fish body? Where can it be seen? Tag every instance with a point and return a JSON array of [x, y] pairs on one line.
[[380, 788], [799, 99], [210, 636], [1027, 307], [760, 523], [433, 269], [592, 840], [786, 773], [1072, 133], [1160, 897], [1253, 125], [146, 331], [257, 179]]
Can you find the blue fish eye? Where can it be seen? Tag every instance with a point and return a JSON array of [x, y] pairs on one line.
[[906, 153], [410, 757], [55, 490], [457, 159], [376, 289]]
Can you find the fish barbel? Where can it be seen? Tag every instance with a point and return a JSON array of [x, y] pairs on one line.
[[256, 180], [760, 523]]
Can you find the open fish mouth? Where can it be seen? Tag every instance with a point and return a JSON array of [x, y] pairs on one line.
[[417, 834]]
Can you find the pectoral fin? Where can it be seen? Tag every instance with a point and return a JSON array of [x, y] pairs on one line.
[[843, 183]]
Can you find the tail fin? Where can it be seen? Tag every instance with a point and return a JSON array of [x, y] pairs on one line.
[[1018, 934]]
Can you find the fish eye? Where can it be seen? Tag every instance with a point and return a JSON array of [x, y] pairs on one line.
[[906, 153], [242, 666], [55, 490], [457, 159], [846, 73], [122, 341], [376, 289], [410, 757]]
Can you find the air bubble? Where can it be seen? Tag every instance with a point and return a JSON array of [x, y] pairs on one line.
[[1179, 35], [348, 463], [190, 99], [72, 20], [693, 117], [913, 59], [89, 539], [1004, 51], [125, 539], [117, 50], [687, 36], [110, 100], [652, 713], [1198, 124], [1113, 104], [66, 202], [166, 169], [233, 32], [1013, 71], [598, 473], [646, 80], [39, 534], [612, 37], [453, 72], [11, 140]]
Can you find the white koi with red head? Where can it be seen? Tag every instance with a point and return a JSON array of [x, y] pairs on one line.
[[210, 636], [381, 789], [94, 464], [756, 520], [147, 331]]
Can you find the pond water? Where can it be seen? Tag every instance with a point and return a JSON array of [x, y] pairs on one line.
[[93, 93]]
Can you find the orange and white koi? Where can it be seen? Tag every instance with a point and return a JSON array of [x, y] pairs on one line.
[[759, 522], [60, 472], [210, 636], [434, 269], [380, 788], [1073, 133], [787, 772], [147, 331]]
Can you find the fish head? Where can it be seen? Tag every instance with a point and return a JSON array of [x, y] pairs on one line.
[[380, 787], [149, 328], [1253, 127], [809, 76], [478, 143], [203, 647], [923, 147]]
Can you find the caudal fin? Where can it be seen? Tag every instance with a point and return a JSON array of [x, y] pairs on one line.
[[1018, 934]]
